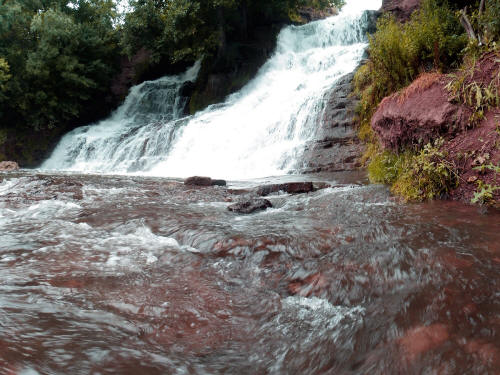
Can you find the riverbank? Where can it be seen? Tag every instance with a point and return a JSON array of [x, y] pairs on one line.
[[429, 103]]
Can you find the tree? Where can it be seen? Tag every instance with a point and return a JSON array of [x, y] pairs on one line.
[[62, 56]]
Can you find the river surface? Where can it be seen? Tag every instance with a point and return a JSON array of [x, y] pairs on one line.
[[138, 275]]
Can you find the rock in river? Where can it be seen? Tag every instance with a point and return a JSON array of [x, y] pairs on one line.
[[8, 166], [289, 187], [249, 205], [203, 181]]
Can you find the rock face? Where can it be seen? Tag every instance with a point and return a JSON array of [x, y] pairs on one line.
[[419, 114], [476, 148], [8, 166], [203, 181], [402, 9], [250, 205], [335, 146]]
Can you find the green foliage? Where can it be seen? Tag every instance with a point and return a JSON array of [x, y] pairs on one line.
[[484, 193], [62, 56], [4, 77], [427, 175], [432, 39], [185, 30], [415, 176], [490, 21]]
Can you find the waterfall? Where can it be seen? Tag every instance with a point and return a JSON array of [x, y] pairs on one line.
[[258, 131]]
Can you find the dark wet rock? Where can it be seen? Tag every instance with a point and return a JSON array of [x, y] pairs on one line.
[[249, 205], [308, 14], [8, 166], [219, 183], [203, 181], [402, 9], [289, 187], [335, 146], [370, 18]]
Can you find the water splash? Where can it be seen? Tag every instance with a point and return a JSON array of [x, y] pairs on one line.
[[259, 131]]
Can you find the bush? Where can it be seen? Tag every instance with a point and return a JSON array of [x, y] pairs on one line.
[[432, 40], [415, 176]]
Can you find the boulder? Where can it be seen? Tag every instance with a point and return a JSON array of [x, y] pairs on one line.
[[8, 166], [249, 205], [419, 114], [203, 181], [402, 9], [290, 187], [309, 14]]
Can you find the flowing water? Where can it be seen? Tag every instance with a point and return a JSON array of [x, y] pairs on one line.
[[135, 274]]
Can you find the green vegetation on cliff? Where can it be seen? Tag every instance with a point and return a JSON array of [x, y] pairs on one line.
[[435, 39]]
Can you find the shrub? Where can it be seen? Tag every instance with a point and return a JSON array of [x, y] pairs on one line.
[[432, 40], [426, 175], [415, 176]]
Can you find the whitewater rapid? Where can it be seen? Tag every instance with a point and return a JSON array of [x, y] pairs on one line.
[[259, 131]]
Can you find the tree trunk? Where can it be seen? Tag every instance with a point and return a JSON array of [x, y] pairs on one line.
[[481, 8], [464, 20]]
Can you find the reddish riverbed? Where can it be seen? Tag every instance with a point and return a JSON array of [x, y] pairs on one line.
[[129, 275]]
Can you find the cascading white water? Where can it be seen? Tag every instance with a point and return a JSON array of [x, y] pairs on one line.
[[259, 131]]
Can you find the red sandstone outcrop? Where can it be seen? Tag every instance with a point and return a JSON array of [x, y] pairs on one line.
[[8, 166], [402, 9], [419, 114]]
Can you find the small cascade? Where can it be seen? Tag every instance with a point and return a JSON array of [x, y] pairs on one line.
[[259, 131]]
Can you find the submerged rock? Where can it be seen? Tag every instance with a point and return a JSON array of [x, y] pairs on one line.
[[290, 187], [203, 181], [249, 205], [8, 166], [419, 340]]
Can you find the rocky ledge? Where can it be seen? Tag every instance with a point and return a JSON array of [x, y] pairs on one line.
[[203, 181], [335, 146]]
